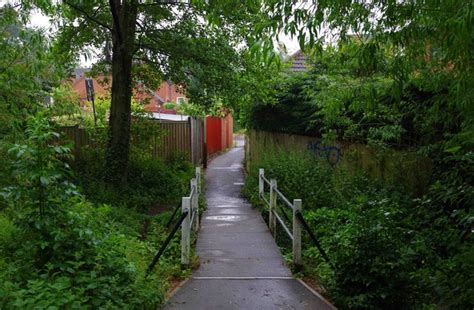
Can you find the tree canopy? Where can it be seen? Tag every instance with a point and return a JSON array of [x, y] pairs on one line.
[[194, 44]]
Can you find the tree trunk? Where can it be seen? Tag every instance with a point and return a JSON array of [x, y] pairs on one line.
[[123, 39]]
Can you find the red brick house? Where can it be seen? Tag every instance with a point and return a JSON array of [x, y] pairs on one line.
[[298, 62], [153, 99]]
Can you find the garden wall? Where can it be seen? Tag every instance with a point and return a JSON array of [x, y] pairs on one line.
[[405, 168]]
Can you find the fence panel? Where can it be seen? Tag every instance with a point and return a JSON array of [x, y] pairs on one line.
[[404, 167], [197, 140], [184, 138], [176, 139]]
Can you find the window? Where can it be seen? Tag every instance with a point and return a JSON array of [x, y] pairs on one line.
[[180, 100]]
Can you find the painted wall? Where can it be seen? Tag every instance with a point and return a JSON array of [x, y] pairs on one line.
[[213, 134], [219, 133]]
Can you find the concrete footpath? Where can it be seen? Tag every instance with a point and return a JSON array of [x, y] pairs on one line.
[[241, 265]]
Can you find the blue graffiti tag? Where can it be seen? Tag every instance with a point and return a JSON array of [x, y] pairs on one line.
[[331, 153]]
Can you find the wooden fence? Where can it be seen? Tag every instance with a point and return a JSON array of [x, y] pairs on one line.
[[175, 138], [406, 168]]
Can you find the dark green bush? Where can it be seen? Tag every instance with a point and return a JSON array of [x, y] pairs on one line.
[[298, 174], [76, 256], [150, 181], [58, 250], [390, 251]]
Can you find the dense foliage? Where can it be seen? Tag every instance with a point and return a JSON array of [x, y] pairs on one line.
[[195, 44], [64, 249], [68, 240], [398, 77], [342, 97], [390, 251]]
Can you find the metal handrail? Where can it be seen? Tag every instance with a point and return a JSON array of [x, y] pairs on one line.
[[287, 230], [189, 204], [300, 217], [165, 244], [178, 206]]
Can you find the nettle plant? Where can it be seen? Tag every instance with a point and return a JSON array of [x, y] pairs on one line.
[[40, 169]]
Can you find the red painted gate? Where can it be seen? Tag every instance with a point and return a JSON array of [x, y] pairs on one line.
[[219, 133]]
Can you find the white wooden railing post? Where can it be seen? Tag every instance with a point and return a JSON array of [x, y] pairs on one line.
[[273, 200], [195, 203], [296, 233], [261, 174], [185, 231]]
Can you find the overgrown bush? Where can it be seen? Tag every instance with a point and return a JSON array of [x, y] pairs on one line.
[[389, 251], [169, 105], [76, 256], [150, 181], [60, 250], [344, 98]]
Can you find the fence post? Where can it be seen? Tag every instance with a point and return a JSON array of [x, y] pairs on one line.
[[198, 178], [195, 203], [296, 233], [185, 231], [273, 203], [77, 143], [261, 174]]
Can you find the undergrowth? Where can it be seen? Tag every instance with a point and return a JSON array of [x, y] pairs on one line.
[[390, 250], [73, 242]]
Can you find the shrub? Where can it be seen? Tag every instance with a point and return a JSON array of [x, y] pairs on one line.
[[169, 105], [77, 256], [150, 181], [59, 250], [389, 251], [298, 174]]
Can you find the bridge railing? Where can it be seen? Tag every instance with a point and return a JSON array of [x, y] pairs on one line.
[[298, 223], [272, 203], [190, 206], [188, 221]]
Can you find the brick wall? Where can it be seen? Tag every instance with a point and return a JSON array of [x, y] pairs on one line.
[[167, 92]]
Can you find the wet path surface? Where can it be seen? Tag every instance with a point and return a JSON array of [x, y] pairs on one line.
[[241, 266]]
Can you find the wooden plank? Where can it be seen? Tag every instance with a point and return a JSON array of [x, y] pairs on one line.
[[175, 139]]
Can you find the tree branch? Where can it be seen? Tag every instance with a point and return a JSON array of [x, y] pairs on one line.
[[88, 16], [166, 2]]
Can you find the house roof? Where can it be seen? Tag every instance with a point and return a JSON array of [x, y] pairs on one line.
[[299, 62]]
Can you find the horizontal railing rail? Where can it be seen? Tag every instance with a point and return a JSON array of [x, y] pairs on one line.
[[189, 218], [285, 200], [287, 230], [297, 219]]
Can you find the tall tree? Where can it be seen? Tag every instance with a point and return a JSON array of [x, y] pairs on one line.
[[192, 43], [432, 38]]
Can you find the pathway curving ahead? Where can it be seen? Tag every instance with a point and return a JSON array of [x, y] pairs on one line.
[[241, 265]]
